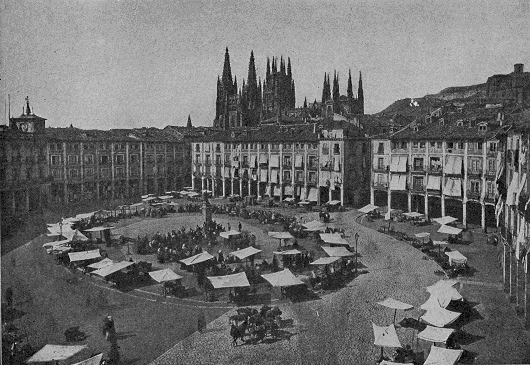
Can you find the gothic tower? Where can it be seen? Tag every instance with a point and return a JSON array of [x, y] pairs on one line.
[[360, 95]]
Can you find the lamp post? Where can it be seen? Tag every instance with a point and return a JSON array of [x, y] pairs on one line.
[[356, 242], [61, 227]]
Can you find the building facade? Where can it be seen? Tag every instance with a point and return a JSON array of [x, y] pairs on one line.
[[446, 168], [311, 162]]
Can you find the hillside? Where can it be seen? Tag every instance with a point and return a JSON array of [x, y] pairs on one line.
[[422, 105]]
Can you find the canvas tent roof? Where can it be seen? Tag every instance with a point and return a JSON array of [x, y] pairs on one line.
[[385, 336], [230, 233], [84, 255], [368, 208], [449, 230], [334, 238], [441, 356], [455, 257], [245, 252], [439, 317], [94, 360], [282, 278], [229, 281], [51, 353], [164, 275], [435, 334], [445, 220], [280, 235], [55, 243], [395, 304], [287, 252], [338, 251], [78, 236], [441, 298], [101, 264], [413, 214], [196, 259], [110, 269], [97, 229], [398, 182], [314, 225], [324, 261]]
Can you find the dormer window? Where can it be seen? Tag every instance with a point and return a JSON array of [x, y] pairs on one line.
[[442, 121], [415, 128], [460, 123], [482, 127]]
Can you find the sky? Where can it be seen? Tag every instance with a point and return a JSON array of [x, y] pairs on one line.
[[125, 64]]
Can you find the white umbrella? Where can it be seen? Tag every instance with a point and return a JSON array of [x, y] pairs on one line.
[[445, 220], [395, 304], [449, 230]]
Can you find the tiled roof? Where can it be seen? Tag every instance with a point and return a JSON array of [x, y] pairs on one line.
[[451, 131], [131, 135]]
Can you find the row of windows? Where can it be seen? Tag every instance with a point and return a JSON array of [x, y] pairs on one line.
[[474, 146], [254, 146], [109, 146], [287, 176], [435, 164], [119, 159], [106, 173]]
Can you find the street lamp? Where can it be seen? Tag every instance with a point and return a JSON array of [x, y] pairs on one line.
[[356, 242]]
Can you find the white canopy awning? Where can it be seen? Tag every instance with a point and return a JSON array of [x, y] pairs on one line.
[[368, 208], [422, 234], [85, 215], [398, 182], [398, 164], [94, 360], [164, 275], [282, 278], [98, 229], [280, 235], [333, 202], [78, 237], [165, 197], [385, 336], [230, 233], [453, 165], [334, 239], [449, 230], [245, 252], [229, 281], [56, 243], [338, 251], [314, 225], [324, 261], [313, 195], [287, 252], [455, 257], [413, 214], [441, 356], [435, 334], [445, 220], [110, 269], [395, 304], [51, 353], [434, 182], [101, 264], [439, 317], [84, 255], [453, 187], [196, 259], [512, 189]]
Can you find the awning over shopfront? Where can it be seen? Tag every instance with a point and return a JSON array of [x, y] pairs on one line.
[[277, 191], [325, 261], [453, 187], [274, 176], [324, 178], [110, 269], [282, 278], [84, 255], [398, 183], [54, 353], [434, 182], [253, 161], [398, 164], [313, 195], [512, 190], [333, 239], [338, 251]]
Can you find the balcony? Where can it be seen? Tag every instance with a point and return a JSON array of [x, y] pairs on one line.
[[417, 169], [435, 170], [476, 172], [380, 185], [312, 167], [490, 153], [381, 168], [490, 174], [473, 194], [287, 166], [418, 188]]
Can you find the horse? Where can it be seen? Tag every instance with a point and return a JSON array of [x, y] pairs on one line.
[[238, 332]]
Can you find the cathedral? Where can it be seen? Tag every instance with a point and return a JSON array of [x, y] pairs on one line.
[[253, 103]]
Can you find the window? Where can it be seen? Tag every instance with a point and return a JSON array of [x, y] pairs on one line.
[[381, 163], [263, 146], [56, 173], [417, 183], [134, 158], [432, 144], [120, 159], [403, 145], [208, 160], [57, 159], [286, 146], [493, 147], [460, 123], [482, 128], [336, 149], [287, 160], [479, 146], [460, 145], [73, 160], [364, 148], [217, 147], [422, 144], [89, 172], [88, 159], [73, 173], [435, 164], [415, 144], [490, 189], [160, 158], [325, 149], [103, 160], [197, 159], [439, 145], [119, 146], [313, 162], [218, 159], [120, 172], [286, 175], [475, 187], [105, 173], [197, 147], [492, 166], [381, 148], [450, 145], [418, 164], [475, 165], [312, 177]]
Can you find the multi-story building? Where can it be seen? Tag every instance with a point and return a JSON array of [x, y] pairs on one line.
[[40, 165], [448, 167], [320, 163]]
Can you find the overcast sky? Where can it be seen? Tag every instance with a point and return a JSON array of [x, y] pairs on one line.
[[109, 64]]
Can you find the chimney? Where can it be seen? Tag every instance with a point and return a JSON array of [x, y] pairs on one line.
[[518, 68]]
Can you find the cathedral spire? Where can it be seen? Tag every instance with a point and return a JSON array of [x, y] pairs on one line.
[[28, 109], [336, 92], [227, 72], [350, 86], [268, 67], [282, 66], [235, 84], [189, 122], [360, 94], [289, 67]]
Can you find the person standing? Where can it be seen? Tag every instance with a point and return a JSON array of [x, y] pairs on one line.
[[9, 297], [201, 322]]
